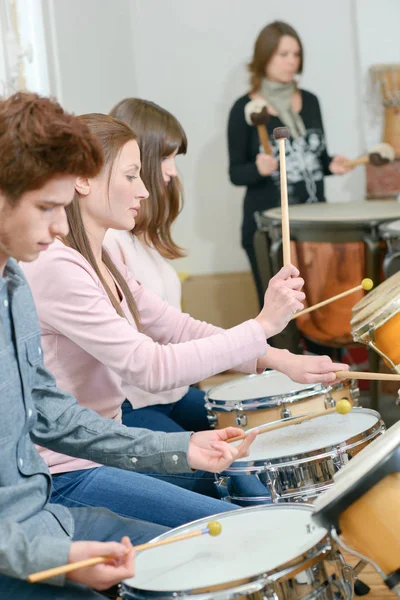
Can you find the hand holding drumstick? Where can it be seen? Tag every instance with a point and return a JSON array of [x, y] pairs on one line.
[[112, 554]]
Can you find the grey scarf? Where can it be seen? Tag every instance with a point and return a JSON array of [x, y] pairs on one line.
[[279, 96]]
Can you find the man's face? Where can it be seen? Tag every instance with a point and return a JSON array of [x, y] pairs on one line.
[[37, 218]]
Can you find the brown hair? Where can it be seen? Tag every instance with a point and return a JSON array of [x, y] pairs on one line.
[[265, 47], [112, 136], [39, 141], [160, 134]]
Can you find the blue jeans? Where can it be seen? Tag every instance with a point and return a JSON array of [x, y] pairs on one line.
[[95, 524], [134, 495], [187, 414]]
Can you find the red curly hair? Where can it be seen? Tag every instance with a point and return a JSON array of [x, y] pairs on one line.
[[38, 141]]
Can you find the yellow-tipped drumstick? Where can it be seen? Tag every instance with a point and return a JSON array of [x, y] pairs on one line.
[[213, 528], [366, 284], [342, 407]]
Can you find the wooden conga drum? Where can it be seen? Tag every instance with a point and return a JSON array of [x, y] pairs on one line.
[[363, 506]]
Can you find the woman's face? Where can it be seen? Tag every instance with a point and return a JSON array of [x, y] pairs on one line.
[[113, 202], [168, 167], [285, 63]]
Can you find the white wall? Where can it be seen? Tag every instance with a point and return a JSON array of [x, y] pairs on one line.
[[190, 57]]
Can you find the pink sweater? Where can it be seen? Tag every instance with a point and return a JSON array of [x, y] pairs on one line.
[[156, 275], [90, 349]]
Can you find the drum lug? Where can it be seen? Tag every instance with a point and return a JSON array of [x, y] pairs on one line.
[[212, 419], [286, 413], [241, 419], [329, 402], [354, 393]]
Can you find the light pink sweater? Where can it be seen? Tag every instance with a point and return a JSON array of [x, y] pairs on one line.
[[156, 275], [90, 349]]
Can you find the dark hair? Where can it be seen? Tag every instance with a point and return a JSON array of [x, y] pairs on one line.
[[265, 47], [38, 141], [112, 135], [159, 134]]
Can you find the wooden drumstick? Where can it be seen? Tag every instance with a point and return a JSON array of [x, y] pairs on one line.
[[281, 134], [381, 154], [369, 376], [342, 407], [213, 528], [366, 284]]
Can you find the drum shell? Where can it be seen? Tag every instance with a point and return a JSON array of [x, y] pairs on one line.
[[292, 478], [249, 412]]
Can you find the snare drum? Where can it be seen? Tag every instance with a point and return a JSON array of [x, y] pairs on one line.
[[262, 553], [258, 399], [296, 463], [364, 506], [378, 324], [390, 232]]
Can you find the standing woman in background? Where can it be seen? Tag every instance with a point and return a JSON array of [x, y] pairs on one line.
[[276, 63], [146, 251]]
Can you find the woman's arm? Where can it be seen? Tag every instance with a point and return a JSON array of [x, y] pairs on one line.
[[242, 167], [71, 301]]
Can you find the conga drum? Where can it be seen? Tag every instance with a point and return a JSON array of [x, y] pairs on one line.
[[377, 324], [335, 245], [390, 232], [363, 506]]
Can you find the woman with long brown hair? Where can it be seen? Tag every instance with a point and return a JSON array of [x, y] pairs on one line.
[[147, 249], [100, 328], [277, 63]]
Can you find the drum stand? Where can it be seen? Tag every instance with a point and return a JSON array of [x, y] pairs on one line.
[[267, 244]]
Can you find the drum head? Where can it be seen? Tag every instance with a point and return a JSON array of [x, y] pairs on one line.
[[350, 212], [270, 389], [316, 434], [252, 542]]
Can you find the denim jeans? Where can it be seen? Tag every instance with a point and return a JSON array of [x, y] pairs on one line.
[[188, 414], [95, 524], [134, 495]]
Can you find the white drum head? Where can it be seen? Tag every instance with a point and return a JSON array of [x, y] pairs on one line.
[[321, 432], [270, 384], [371, 210], [253, 541], [391, 228]]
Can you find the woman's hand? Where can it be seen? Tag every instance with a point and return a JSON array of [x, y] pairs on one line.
[[282, 300], [338, 165], [266, 164]]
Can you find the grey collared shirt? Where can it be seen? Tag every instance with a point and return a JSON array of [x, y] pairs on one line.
[[35, 534]]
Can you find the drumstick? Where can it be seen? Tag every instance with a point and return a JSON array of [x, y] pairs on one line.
[[366, 284], [342, 407], [281, 134], [213, 528], [371, 376], [381, 154]]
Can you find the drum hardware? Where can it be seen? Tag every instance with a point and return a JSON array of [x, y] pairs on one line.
[[241, 419], [285, 413]]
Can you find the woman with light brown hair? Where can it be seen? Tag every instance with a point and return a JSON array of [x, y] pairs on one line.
[[275, 68], [147, 249]]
